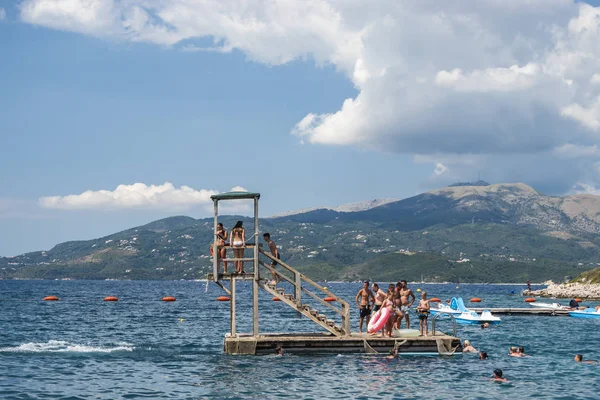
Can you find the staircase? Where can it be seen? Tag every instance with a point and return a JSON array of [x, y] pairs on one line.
[[304, 285]]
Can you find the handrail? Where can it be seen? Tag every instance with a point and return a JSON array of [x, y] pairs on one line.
[[314, 296], [277, 272], [304, 277], [443, 313], [299, 277]]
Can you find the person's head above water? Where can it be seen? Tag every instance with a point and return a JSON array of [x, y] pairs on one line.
[[467, 342], [578, 357], [497, 373], [483, 355]]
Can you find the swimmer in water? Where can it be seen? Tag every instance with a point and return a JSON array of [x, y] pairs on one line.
[[483, 355], [579, 358], [513, 352], [521, 352], [467, 348], [498, 376]]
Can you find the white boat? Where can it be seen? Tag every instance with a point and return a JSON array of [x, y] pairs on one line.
[[587, 313], [463, 315], [471, 317], [456, 307], [444, 309], [553, 306]]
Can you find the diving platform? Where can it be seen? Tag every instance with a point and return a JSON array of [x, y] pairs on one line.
[[326, 310], [321, 343]]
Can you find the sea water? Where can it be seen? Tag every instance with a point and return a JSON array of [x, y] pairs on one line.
[[141, 347]]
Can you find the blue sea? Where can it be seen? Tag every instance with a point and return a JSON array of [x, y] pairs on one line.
[[141, 347]]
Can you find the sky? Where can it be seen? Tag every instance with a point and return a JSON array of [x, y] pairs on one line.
[[115, 113]]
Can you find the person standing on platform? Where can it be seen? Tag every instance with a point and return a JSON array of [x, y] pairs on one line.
[[275, 253], [405, 293], [379, 297], [238, 241], [363, 300], [221, 238]]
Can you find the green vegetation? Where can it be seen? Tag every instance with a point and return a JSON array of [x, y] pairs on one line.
[[592, 276], [508, 235]]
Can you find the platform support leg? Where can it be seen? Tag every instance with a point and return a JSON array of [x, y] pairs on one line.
[[232, 307]]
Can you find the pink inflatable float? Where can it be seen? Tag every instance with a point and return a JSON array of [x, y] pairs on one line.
[[378, 320]]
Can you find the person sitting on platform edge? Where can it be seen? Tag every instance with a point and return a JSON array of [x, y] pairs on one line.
[[238, 240], [364, 305], [275, 253]]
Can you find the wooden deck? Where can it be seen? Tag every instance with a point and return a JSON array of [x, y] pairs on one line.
[[323, 343], [523, 311]]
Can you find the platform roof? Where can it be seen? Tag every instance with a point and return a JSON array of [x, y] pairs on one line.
[[235, 196]]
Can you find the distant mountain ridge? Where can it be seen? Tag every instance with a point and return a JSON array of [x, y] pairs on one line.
[[350, 207], [492, 233]]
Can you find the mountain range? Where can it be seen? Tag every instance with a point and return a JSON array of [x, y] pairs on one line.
[[467, 233]]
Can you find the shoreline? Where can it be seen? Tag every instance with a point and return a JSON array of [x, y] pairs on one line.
[[584, 291]]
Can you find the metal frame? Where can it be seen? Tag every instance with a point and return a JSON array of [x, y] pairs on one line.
[[233, 278]]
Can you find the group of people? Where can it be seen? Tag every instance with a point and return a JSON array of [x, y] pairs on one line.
[[238, 243], [398, 299]]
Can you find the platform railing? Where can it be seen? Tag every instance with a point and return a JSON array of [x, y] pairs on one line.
[[298, 279], [435, 317]]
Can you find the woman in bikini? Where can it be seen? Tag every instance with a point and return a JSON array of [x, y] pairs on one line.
[[238, 240], [221, 238]]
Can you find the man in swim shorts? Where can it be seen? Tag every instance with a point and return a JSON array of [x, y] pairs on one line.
[[363, 300], [405, 293], [379, 297]]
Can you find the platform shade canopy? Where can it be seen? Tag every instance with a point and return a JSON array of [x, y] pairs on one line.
[[235, 196]]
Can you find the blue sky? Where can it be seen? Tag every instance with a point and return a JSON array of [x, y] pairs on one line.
[[86, 106]]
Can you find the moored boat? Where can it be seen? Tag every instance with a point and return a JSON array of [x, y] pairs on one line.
[[587, 313], [553, 306], [471, 317]]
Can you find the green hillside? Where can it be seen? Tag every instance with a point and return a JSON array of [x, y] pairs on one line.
[[495, 233]]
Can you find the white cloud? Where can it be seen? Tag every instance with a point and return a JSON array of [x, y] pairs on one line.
[[138, 195], [440, 169], [586, 116], [501, 82], [2, 13]]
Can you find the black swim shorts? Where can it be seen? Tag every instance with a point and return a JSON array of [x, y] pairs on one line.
[[376, 307], [365, 311]]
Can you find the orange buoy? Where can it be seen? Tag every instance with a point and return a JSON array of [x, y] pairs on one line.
[[51, 298], [578, 300], [435, 300], [222, 298], [475, 300], [530, 300], [275, 299], [111, 298], [329, 299], [168, 298]]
